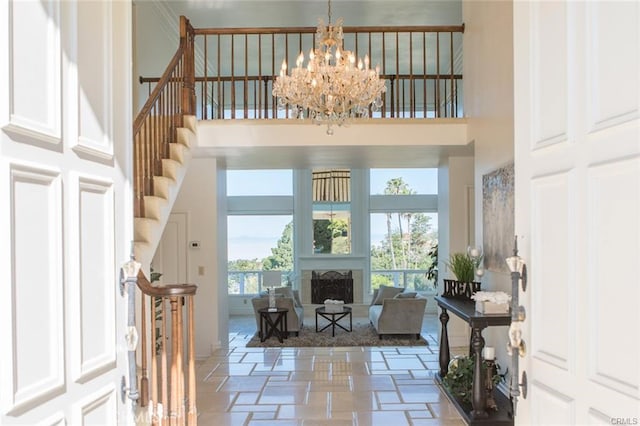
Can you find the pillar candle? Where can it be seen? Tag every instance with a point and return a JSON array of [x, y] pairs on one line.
[[489, 353]]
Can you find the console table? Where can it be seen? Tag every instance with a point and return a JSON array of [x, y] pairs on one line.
[[466, 310]]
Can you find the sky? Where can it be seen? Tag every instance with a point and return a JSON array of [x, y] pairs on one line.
[[252, 237]]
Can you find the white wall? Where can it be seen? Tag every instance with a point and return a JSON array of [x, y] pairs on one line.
[[199, 199], [488, 88], [455, 214], [154, 25]]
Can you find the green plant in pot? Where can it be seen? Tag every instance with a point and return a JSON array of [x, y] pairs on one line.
[[459, 378], [463, 266]]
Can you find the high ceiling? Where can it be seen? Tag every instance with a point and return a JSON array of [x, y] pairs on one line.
[[261, 13], [289, 13]]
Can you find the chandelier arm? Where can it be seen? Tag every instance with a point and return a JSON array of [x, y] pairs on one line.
[[334, 86]]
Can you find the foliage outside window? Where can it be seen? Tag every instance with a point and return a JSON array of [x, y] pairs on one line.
[[421, 181], [402, 251], [245, 274]]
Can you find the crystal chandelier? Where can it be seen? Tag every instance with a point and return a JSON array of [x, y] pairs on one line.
[[332, 88]]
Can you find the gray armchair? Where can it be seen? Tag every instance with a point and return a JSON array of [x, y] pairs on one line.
[[401, 313]]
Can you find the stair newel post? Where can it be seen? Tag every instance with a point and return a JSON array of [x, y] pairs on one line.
[[144, 381], [154, 350], [188, 78], [192, 411], [164, 364], [173, 402], [179, 342], [138, 207]]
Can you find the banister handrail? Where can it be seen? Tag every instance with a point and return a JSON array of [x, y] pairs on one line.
[[157, 90], [165, 290], [143, 80], [155, 126], [418, 63], [310, 30]]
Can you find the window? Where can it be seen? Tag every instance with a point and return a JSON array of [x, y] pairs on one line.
[[258, 243], [403, 207], [403, 181], [401, 249], [331, 211]]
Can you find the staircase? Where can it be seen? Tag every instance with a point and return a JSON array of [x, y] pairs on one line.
[[149, 226], [163, 133]]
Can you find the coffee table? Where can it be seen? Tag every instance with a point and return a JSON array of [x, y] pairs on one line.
[[333, 318]]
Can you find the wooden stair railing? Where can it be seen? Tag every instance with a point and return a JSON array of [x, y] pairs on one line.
[[421, 66], [171, 388], [156, 125]]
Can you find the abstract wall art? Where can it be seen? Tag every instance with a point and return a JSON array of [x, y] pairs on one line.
[[498, 217]]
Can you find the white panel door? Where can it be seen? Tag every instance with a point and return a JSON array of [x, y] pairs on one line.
[[66, 215], [577, 157], [170, 258]]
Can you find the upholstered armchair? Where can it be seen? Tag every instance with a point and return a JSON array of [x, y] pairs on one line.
[[394, 311]]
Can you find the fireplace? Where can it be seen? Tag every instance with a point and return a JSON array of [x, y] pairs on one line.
[[331, 285]]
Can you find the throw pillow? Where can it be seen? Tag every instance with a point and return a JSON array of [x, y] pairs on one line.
[[385, 292], [296, 297], [406, 295]]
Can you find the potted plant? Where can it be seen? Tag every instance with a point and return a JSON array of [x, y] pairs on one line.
[[463, 266], [459, 379]]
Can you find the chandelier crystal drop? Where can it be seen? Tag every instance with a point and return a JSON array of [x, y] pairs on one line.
[[334, 86]]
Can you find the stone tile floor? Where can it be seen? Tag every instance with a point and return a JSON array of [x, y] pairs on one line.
[[322, 386]]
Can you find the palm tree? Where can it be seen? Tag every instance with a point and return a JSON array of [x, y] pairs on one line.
[[397, 186], [390, 237]]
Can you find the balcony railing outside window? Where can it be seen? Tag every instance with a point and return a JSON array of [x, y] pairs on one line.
[[250, 282], [421, 65], [410, 279]]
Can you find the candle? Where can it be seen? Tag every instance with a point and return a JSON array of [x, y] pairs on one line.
[[489, 353], [474, 252]]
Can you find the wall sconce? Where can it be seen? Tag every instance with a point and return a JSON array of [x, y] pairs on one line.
[[516, 347], [129, 279]]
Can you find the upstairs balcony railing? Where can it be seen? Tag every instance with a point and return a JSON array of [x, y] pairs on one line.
[[235, 69]]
